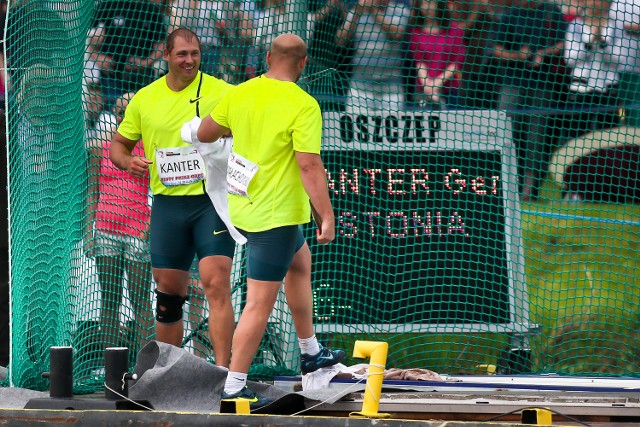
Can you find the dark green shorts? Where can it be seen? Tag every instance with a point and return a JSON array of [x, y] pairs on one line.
[[268, 254], [184, 226]]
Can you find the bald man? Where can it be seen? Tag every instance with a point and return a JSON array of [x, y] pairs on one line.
[[274, 171]]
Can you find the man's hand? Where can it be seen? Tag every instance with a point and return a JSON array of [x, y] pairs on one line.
[[536, 60], [433, 89], [327, 232], [524, 54], [144, 233], [138, 166]]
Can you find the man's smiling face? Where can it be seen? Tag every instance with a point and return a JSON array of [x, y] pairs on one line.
[[183, 60]]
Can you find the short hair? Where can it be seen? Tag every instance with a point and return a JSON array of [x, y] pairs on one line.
[[184, 33]]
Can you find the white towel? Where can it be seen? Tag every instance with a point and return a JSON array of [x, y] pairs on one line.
[[216, 156]]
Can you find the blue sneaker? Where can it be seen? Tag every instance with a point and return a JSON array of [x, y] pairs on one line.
[[326, 357], [255, 401]]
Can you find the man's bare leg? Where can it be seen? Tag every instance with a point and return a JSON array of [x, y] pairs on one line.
[[215, 275], [261, 297], [297, 289]]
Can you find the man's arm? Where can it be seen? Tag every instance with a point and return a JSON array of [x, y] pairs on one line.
[[93, 172], [346, 31], [393, 30], [210, 130], [94, 152], [120, 155], [524, 54], [632, 28], [314, 181], [135, 63]]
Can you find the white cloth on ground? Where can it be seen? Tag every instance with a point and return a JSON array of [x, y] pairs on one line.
[[321, 378]]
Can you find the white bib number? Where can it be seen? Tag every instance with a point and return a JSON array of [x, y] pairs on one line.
[[240, 172], [179, 166]]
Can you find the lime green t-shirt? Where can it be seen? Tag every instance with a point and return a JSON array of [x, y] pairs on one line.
[[270, 120], [156, 114]]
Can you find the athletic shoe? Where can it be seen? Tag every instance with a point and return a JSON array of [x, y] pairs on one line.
[[254, 400], [326, 357]]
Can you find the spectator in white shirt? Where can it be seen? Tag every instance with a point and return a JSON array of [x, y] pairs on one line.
[[588, 51], [624, 27]]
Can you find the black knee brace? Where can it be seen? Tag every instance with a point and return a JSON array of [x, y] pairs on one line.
[[169, 307]]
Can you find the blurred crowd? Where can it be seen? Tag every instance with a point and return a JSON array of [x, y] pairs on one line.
[[559, 70]]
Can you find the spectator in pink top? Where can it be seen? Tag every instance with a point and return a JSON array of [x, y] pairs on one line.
[[437, 46], [119, 212]]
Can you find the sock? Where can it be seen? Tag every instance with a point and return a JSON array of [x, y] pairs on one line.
[[309, 345], [235, 382]]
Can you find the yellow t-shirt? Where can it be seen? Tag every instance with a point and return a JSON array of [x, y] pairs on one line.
[[270, 121], [156, 114]]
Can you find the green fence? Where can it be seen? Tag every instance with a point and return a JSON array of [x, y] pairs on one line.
[[481, 161]]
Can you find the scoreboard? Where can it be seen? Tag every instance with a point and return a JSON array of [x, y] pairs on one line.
[[427, 224]]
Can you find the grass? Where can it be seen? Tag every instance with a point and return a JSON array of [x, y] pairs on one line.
[[584, 285]]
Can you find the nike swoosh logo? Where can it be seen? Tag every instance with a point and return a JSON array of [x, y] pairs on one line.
[[216, 232], [194, 100]]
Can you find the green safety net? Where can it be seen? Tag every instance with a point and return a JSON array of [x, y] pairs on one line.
[[481, 160]]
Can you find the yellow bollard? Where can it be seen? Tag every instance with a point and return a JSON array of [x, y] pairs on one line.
[[235, 407], [377, 353], [539, 416]]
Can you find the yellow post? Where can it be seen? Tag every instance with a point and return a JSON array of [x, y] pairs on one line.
[[377, 353]]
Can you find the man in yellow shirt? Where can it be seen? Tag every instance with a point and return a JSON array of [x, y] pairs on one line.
[[184, 221], [274, 171]]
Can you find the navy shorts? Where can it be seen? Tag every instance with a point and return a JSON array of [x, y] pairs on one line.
[[184, 226], [268, 254]]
